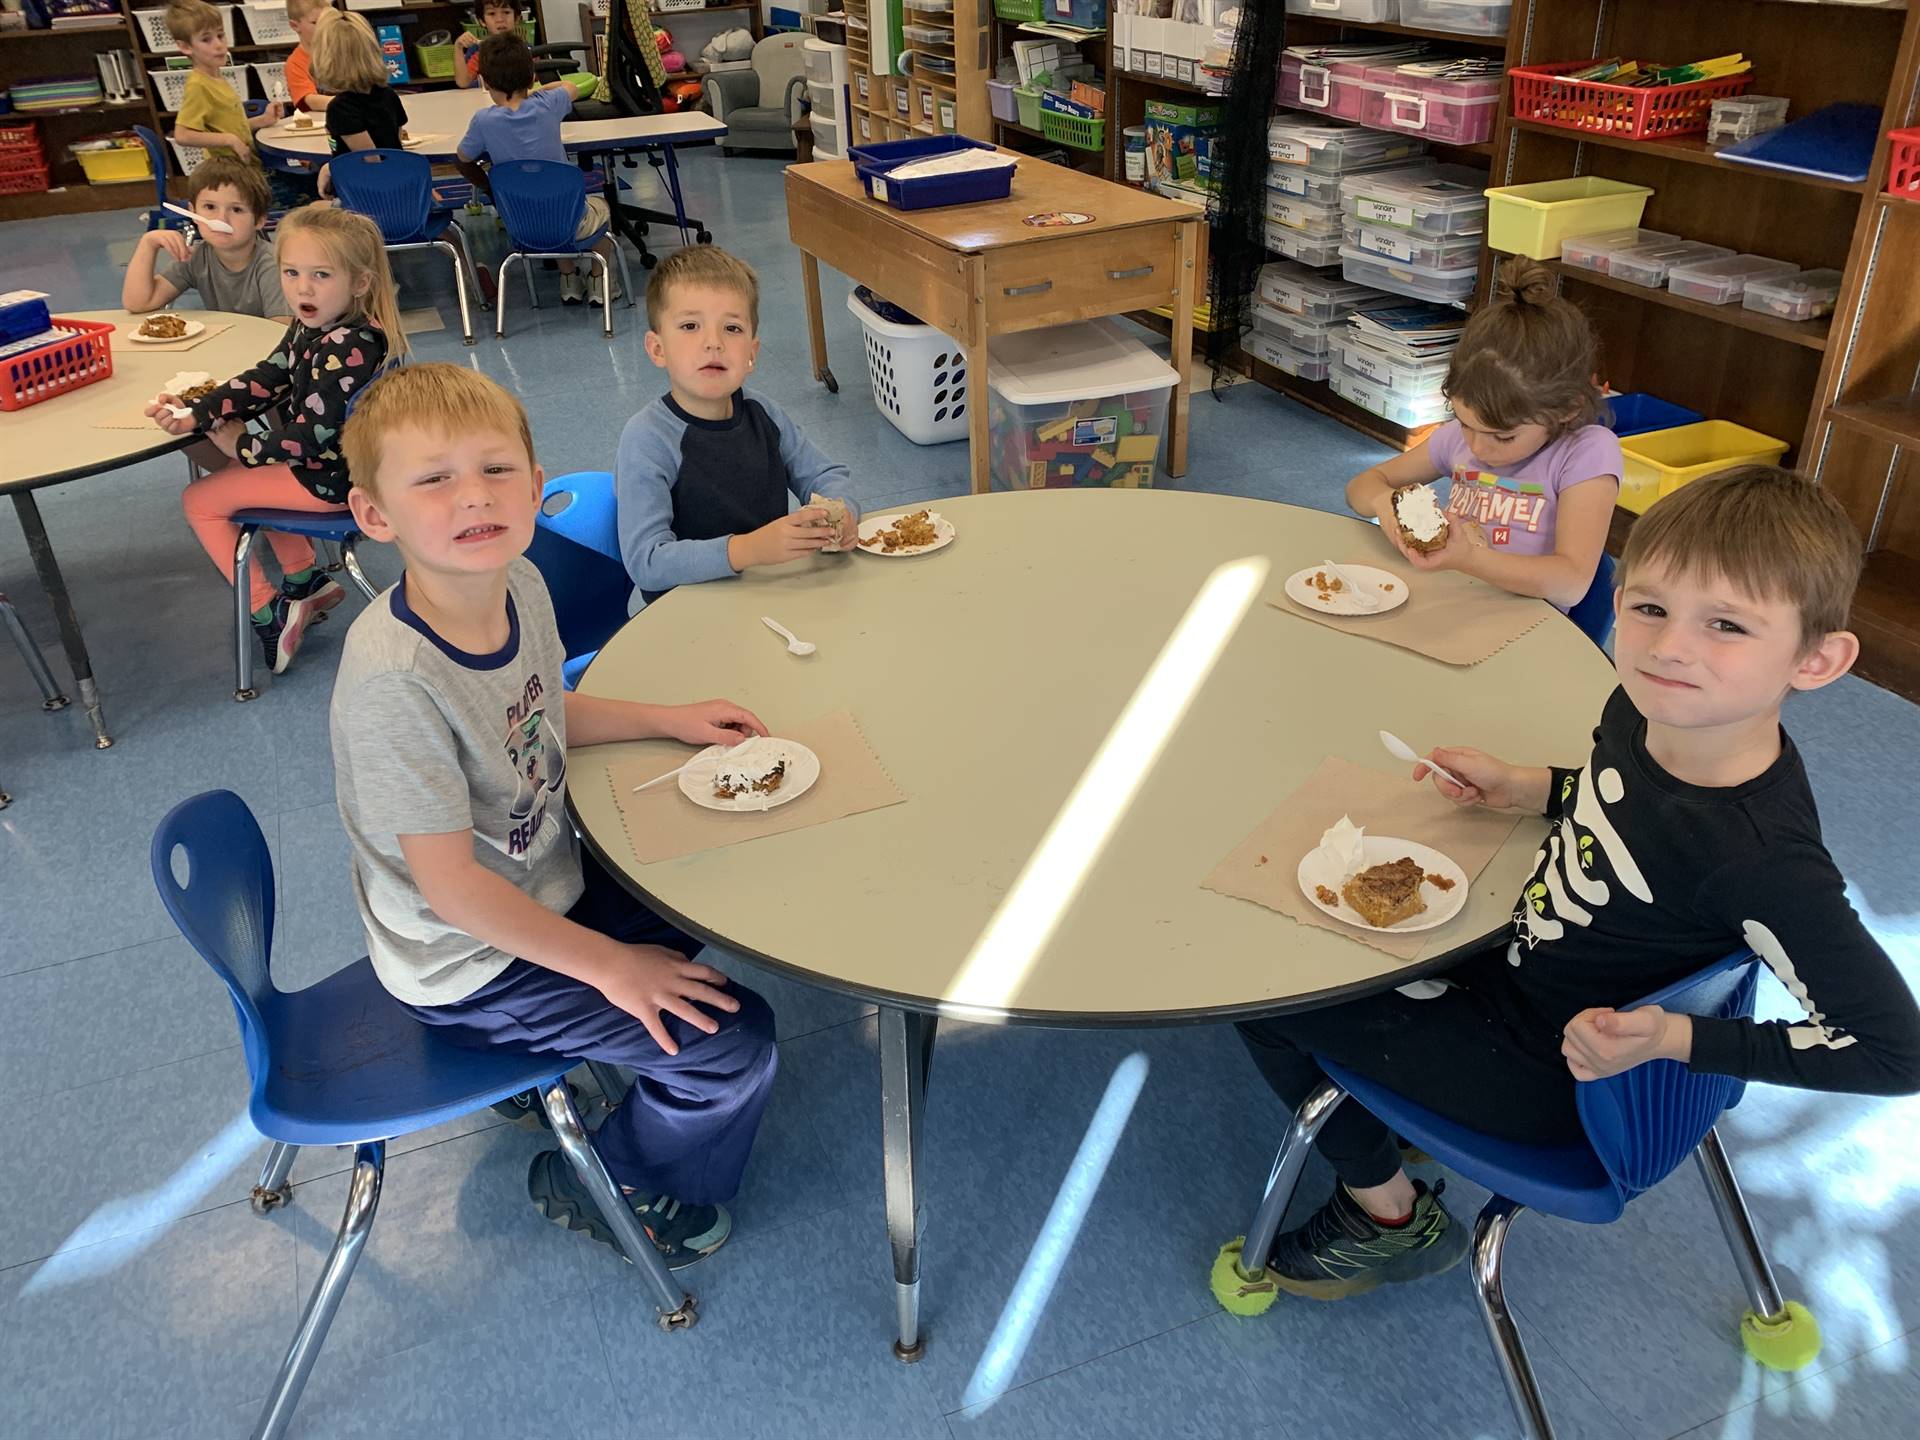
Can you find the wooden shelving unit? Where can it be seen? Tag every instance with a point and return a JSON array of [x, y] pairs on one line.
[[1095, 46], [899, 106]]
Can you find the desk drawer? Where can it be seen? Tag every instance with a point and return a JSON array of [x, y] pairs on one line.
[[1070, 277]]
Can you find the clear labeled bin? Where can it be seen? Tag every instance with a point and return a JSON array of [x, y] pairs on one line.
[[1596, 252], [1284, 358], [1649, 265], [1442, 287], [1721, 282], [1311, 294], [1367, 12], [1434, 200], [1075, 405], [1536, 220], [1326, 148], [1661, 461], [1806, 296], [1458, 17], [1379, 400], [1302, 215], [1452, 112], [1309, 337], [1303, 184], [1408, 379], [1409, 247], [1315, 250]]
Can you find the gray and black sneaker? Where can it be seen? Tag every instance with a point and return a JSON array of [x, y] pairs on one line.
[[681, 1233], [320, 590], [1344, 1251], [280, 637]]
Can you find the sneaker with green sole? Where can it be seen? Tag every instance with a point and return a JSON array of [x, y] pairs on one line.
[[1342, 1250], [681, 1233]]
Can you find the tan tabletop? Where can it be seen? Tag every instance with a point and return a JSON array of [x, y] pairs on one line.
[[987, 676], [56, 439], [443, 114], [975, 271]]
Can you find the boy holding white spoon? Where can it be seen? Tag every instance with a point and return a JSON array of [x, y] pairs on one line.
[[232, 268]]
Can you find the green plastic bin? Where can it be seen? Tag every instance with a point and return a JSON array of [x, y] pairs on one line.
[[1074, 131]]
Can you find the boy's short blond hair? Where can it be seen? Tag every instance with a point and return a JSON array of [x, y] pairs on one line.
[[346, 55], [223, 167], [1767, 532], [306, 9], [702, 265], [439, 398], [188, 18]]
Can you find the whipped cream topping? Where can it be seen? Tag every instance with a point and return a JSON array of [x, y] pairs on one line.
[[1419, 512], [1342, 848], [748, 762]]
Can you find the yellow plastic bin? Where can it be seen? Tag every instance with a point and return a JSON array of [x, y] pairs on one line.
[[117, 165], [1661, 461], [1532, 220]]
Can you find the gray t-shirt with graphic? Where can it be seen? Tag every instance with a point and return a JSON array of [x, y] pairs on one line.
[[253, 290], [428, 739]]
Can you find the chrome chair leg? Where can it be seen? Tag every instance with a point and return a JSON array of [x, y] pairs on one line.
[[51, 696], [500, 295], [459, 287], [243, 615], [674, 1306], [606, 292], [273, 1188], [1736, 1223], [363, 1198], [1489, 1241], [350, 557], [533, 291], [464, 244], [1285, 1177]]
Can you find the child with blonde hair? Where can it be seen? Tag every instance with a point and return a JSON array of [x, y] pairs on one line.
[[280, 421], [1533, 473], [364, 113]]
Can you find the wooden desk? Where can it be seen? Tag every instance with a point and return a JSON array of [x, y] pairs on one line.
[[975, 271]]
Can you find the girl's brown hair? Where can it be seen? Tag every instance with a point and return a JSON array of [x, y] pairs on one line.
[[354, 244], [346, 55], [1529, 357]]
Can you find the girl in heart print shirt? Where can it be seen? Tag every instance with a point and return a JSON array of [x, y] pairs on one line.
[[280, 421]]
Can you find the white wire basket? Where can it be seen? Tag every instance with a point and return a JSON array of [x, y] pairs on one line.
[[153, 28], [171, 85], [268, 24], [273, 79]]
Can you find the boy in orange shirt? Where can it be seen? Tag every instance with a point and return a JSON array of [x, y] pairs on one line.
[[303, 15]]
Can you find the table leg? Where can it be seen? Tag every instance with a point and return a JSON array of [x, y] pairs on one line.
[[979, 446], [51, 581], [906, 1053], [672, 178], [1191, 284], [816, 326]]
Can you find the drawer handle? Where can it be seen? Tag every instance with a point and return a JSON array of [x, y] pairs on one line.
[[1133, 274], [1040, 289]]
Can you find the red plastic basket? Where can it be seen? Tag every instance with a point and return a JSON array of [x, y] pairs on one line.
[[1629, 112], [12, 162], [19, 136], [36, 375], [24, 182], [1903, 163]]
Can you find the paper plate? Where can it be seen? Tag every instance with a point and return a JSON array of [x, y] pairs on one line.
[[803, 768], [874, 524], [1442, 905], [194, 327], [1391, 589]]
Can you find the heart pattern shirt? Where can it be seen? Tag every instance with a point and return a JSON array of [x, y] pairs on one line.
[[295, 401]]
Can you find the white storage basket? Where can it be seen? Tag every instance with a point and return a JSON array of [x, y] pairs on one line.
[[171, 85], [268, 24], [919, 376], [153, 29]]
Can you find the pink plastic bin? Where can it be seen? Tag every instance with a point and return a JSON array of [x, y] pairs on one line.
[[1452, 112], [1338, 90]]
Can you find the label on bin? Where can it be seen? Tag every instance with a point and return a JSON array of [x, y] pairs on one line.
[[1096, 430], [879, 188], [1357, 359], [1391, 245], [1382, 212], [1287, 152]]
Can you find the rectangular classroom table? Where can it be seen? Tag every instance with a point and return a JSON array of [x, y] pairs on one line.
[[975, 271]]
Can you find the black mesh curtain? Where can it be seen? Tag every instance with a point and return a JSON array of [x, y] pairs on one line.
[[1239, 246]]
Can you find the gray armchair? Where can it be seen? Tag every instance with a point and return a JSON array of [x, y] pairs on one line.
[[759, 106]]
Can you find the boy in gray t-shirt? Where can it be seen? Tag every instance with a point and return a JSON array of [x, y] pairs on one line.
[[450, 726], [232, 268]]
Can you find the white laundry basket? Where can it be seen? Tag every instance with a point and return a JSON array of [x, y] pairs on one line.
[[919, 376]]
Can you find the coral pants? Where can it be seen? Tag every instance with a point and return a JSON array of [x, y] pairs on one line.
[[213, 500]]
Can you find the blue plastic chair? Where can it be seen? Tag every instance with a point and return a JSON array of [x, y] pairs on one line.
[[395, 190], [541, 202], [1594, 612], [341, 1063], [157, 219], [1640, 1125], [337, 528], [576, 548]]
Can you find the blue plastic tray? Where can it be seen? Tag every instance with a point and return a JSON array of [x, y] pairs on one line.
[[871, 162], [1638, 414]]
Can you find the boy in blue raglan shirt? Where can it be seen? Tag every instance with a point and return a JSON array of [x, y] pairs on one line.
[[703, 474]]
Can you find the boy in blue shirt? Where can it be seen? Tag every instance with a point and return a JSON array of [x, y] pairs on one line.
[[703, 474], [524, 124]]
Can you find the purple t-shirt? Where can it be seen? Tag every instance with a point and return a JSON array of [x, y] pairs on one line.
[[531, 132], [1516, 510]]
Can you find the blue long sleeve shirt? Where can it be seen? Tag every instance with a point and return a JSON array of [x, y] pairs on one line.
[[684, 486]]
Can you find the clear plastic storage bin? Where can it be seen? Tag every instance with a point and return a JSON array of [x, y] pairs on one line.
[[1075, 405], [1805, 296], [1326, 148], [1372, 12], [1442, 287], [1302, 215], [1435, 252], [1458, 17], [1309, 337], [1315, 250], [1284, 358], [1433, 200], [1741, 117], [1302, 184], [1379, 400], [1311, 294], [1721, 282], [1338, 90], [1407, 379], [1596, 251], [1453, 112], [1649, 265]]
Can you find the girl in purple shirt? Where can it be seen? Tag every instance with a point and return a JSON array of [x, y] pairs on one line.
[[1533, 475]]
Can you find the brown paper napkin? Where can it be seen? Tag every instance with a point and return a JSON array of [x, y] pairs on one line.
[[1452, 617], [663, 824], [125, 334], [134, 419], [1262, 868]]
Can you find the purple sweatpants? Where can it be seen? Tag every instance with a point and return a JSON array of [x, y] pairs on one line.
[[686, 1127]]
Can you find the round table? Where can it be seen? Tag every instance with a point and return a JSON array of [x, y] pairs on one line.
[[439, 118], [988, 677], [57, 440]]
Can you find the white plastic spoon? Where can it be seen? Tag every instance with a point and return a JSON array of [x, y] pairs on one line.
[[1400, 748], [205, 222], [662, 779], [1362, 593], [795, 645]]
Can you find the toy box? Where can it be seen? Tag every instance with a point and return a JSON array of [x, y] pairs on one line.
[[1176, 136], [1075, 405], [394, 51]]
